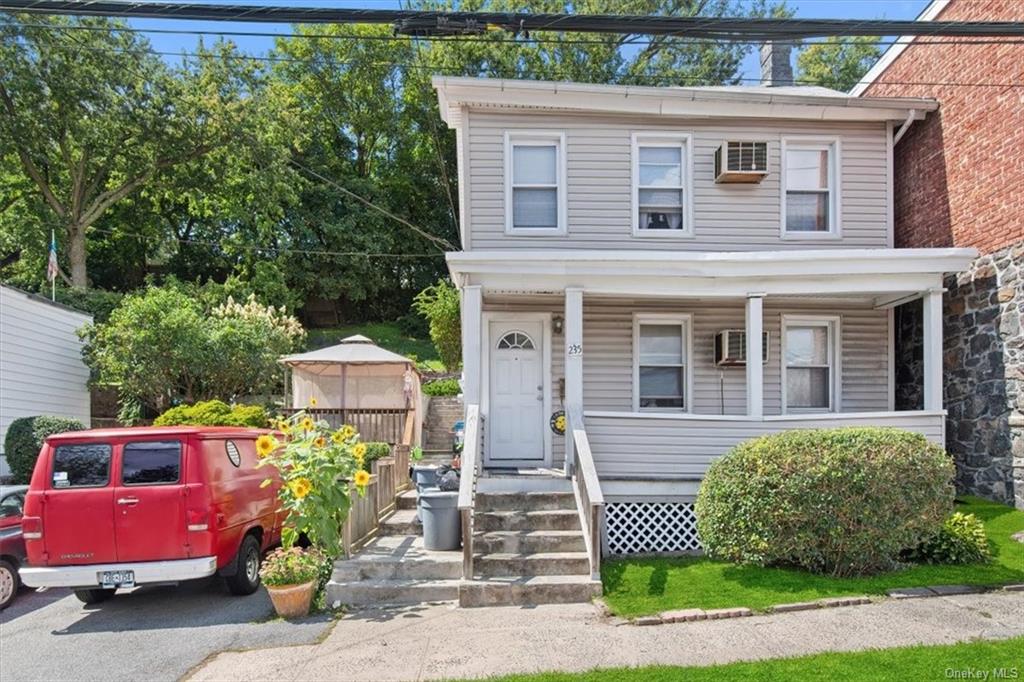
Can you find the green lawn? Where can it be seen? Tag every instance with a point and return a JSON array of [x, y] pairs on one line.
[[876, 665], [384, 334], [635, 587]]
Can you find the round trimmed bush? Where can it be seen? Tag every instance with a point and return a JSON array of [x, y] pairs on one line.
[[840, 501], [214, 413], [25, 437]]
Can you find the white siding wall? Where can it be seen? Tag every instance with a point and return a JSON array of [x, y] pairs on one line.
[[41, 368], [728, 217]]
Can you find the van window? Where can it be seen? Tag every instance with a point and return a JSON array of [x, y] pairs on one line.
[[81, 466], [151, 463]]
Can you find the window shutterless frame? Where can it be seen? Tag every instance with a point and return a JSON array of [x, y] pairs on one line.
[[833, 325], [685, 322], [832, 146], [663, 140], [536, 138], [167, 445]]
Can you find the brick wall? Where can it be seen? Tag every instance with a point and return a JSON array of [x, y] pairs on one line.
[[960, 172]]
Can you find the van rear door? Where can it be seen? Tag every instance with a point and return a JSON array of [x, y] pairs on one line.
[[78, 505], [149, 516]]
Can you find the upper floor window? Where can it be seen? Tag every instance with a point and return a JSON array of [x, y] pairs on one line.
[[535, 183], [661, 198], [810, 203], [810, 360], [661, 376]]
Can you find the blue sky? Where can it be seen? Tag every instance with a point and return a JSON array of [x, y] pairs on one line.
[[816, 9]]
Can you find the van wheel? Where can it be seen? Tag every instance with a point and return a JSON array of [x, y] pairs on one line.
[[95, 595], [9, 583], [246, 578]]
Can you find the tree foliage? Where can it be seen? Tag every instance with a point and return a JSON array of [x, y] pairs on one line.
[[439, 303], [837, 62]]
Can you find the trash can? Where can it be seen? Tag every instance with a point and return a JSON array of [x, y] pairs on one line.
[[424, 476], [442, 524]]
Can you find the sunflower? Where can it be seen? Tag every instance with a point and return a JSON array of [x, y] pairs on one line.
[[359, 451], [312, 402], [361, 478], [300, 487], [347, 432], [284, 427], [265, 445], [320, 441], [307, 424], [337, 438]]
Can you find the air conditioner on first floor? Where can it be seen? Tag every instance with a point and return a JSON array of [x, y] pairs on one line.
[[731, 348]]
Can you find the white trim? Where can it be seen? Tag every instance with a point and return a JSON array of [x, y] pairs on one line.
[[485, 372], [891, 359], [686, 321], [471, 313], [932, 359], [665, 139], [690, 416], [890, 195], [754, 367], [833, 145], [835, 355], [538, 137], [896, 49]]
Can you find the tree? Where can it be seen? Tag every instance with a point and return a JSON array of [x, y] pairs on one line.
[[439, 304], [838, 62]]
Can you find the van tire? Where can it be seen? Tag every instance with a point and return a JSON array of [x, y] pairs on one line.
[[246, 577], [94, 595], [9, 583]]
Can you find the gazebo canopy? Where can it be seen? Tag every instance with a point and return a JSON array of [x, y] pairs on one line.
[[353, 350]]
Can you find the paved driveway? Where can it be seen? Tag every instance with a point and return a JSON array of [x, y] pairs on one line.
[[156, 633]]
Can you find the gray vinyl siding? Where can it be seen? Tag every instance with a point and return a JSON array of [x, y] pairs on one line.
[[727, 217]]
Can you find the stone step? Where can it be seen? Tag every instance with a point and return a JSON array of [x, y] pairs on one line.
[[379, 592], [402, 522], [530, 520], [529, 541], [546, 563], [406, 500], [525, 501], [529, 591], [398, 557]]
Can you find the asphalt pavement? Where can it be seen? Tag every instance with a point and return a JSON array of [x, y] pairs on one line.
[[151, 633]]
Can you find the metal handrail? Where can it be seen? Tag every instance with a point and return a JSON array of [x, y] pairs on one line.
[[587, 486], [471, 458]]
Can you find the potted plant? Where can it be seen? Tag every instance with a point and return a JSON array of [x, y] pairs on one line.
[[316, 465], [290, 576]]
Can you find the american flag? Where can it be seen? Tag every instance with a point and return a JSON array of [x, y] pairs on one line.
[[52, 269]]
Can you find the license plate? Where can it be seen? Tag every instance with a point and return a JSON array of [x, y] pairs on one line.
[[108, 579]]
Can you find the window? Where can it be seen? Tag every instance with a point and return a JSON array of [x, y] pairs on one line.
[[810, 201], [151, 463], [535, 183], [515, 340], [81, 466], [809, 371], [660, 367], [12, 505], [660, 176]]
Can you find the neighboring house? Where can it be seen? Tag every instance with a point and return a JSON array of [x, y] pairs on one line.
[[41, 367], [686, 268], [960, 182]]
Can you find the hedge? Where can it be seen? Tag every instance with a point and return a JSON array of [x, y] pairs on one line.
[[214, 413], [25, 437], [442, 387]]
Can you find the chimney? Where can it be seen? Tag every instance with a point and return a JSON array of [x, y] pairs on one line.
[[775, 65]]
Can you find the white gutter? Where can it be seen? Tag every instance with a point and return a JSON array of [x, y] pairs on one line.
[[903, 128]]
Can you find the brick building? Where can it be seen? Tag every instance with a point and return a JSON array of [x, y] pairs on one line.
[[959, 181]]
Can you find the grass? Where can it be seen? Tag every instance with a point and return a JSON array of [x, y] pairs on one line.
[[636, 587], [877, 665], [387, 335]]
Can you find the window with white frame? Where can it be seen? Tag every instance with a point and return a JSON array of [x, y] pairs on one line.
[[535, 183], [811, 192], [809, 367], [660, 176], [660, 362]]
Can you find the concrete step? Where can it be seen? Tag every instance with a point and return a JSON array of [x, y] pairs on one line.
[[398, 557], [402, 522], [545, 563], [529, 541], [528, 591], [378, 592], [530, 520], [525, 501], [406, 500]]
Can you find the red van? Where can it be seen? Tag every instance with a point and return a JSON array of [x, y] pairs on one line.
[[112, 508]]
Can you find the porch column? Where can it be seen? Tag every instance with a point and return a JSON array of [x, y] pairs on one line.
[[755, 367], [573, 330], [472, 310], [932, 333]]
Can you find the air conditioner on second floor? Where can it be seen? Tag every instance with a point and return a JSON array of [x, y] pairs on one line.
[[731, 348], [739, 161]]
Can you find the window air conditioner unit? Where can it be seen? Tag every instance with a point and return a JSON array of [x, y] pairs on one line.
[[741, 162], [731, 348]]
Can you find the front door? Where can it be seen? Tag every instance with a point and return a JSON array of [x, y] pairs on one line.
[[515, 417]]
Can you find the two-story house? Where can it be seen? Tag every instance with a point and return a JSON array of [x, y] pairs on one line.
[[678, 270]]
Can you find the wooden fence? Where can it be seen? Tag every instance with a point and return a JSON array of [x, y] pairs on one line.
[[382, 426], [389, 478]]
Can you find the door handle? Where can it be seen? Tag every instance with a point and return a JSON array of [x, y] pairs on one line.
[[127, 500]]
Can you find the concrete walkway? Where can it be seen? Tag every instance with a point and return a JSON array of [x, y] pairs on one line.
[[429, 642]]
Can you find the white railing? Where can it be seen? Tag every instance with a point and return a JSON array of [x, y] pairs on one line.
[[472, 455], [587, 487]]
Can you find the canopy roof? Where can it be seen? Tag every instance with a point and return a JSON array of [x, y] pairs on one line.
[[353, 350]]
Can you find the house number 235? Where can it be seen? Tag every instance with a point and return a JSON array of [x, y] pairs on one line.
[[575, 349]]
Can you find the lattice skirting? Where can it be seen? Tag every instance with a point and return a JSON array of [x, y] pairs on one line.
[[650, 527]]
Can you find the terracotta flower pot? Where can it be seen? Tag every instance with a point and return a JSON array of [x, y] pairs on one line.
[[292, 601]]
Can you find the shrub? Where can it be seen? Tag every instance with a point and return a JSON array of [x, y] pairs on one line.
[[214, 413], [442, 387], [25, 437], [291, 566], [961, 540], [840, 501], [439, 304]]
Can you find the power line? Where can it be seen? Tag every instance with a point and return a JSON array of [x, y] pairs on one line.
[[431, 24]]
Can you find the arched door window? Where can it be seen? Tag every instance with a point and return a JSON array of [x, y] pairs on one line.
[[515, 341]]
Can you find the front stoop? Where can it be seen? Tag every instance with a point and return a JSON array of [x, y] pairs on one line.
[[529, 590], [396, 569]]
